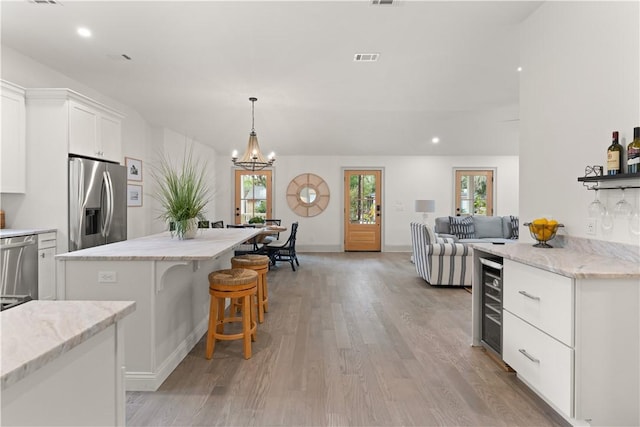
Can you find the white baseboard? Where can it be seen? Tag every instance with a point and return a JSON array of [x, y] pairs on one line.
[[151, 381]]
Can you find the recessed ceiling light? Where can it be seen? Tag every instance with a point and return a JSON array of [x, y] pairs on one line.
[[435, 139], [84, 32], [519, 69]]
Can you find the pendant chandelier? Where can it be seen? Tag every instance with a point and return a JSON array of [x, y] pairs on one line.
[[252, 159]]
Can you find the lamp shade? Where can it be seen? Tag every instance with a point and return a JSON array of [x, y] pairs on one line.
[[425, 205]]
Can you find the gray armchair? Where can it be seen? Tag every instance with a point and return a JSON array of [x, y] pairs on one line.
[[440, 262]]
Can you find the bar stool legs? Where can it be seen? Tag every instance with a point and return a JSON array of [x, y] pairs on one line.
[[234, 283], [259, 264]]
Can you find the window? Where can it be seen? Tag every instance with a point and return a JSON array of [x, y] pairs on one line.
[[474, 192]]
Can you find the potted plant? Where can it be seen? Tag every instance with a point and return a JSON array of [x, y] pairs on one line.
[[256, 220], [183, 193]]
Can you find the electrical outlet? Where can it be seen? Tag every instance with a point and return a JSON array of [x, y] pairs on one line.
[[591, 226], [107, 277]]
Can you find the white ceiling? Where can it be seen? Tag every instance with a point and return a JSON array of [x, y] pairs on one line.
[[445, 68]]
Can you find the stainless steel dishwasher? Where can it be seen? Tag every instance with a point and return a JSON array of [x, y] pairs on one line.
[[19, 267]]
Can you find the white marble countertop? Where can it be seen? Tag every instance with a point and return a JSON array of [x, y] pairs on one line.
[[35, 333], [567, 262], [209, 243], [11, 232]]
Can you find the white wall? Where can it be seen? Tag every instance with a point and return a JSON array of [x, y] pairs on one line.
[[580, 81], [406, 178]]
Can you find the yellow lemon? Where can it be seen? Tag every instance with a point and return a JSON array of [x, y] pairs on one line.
[[540, 221]]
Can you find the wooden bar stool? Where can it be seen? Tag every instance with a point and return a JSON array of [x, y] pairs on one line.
[[234, 283], [259, 264]]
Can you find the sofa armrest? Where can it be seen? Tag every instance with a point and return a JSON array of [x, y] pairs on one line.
[[446, 238], [451, 249]]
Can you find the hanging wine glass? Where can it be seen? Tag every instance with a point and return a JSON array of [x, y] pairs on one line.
[[634, 223], [596, 208], [607, 222], [623, 208]]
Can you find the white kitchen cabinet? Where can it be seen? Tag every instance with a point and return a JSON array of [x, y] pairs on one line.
[[47, 266], [575, 341], [13, 146], [94, 132], [65, 366], [543, 362]]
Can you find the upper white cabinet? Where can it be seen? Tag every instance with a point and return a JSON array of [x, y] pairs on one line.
[[94, 132], [13, 144]]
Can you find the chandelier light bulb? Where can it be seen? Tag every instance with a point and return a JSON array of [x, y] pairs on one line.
[[234, 154]]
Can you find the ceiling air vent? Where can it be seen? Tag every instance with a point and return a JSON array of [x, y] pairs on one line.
[[46, 2], [382, 2], [366, 57]]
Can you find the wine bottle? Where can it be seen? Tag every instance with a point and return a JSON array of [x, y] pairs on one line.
[[633, 152], [614, 156]]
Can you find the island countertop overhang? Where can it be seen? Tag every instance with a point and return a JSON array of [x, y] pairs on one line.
[[208, 244]]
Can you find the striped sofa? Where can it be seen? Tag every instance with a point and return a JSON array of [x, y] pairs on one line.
[[441, 262]]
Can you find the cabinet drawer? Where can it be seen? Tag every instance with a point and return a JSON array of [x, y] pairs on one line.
[[46, 240], [542, 298], [544, 363]]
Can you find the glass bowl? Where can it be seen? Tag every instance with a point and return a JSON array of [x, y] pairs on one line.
[[542, 233]]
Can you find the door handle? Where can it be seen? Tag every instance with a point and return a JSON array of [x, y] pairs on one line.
[[17, 245]]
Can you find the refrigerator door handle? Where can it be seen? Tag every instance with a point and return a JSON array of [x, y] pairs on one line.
[[109, 219], [78, 195]]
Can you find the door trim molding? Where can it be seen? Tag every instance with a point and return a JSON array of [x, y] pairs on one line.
[[454, 169], [383, 200]]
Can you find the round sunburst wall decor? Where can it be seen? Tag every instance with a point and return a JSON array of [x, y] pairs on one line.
[[308, 195]]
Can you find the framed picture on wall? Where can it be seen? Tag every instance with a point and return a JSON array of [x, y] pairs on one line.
[[134, 195], [134, 169]]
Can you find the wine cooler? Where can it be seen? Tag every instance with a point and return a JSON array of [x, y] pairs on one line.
[[492, 304]]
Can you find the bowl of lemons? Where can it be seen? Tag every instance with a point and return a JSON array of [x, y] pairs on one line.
[[543, 230]]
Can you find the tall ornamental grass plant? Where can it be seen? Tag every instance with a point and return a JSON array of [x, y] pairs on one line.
[[183, 193]]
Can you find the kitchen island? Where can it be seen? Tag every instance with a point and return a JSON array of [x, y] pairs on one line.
[[570, 326], [62, 363], [167, 278]]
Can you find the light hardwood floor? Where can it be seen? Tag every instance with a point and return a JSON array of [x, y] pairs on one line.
[[351, 339]]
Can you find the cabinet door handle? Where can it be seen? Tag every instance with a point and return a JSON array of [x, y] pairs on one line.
[[528, 356], [528, 295], [42, 255]]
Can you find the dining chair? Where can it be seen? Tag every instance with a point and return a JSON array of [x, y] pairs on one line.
[[267, 222], [251, 246], [217, 224], [285, 251]]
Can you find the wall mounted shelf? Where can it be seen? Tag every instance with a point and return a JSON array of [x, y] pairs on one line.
[[611, 182]]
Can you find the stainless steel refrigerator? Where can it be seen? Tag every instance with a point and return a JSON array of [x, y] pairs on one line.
[[97, 203]]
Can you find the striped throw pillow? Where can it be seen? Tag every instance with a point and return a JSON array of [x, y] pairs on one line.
[[515, 227], [462, 227]]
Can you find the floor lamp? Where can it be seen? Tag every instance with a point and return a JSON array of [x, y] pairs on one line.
[[426, 207]]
